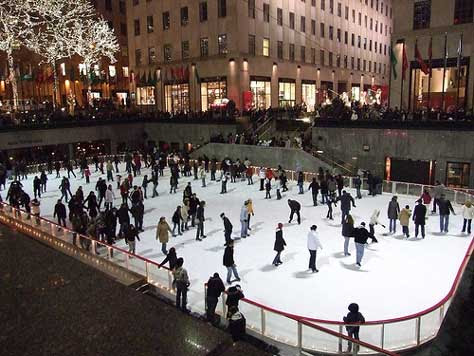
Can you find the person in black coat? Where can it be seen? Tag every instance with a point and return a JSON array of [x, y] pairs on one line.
[[323, 184], [110, 225], [92, 205], [361, 235], [228, 262], [445, 208], [37, 187], [200, 221], [60, 213], [227, 228], [215, 287], [234, 294], [171, 258], [353, 317], [295, 209], [138, 210], [237, 324], [279, 245], [101, 187], [314, 187], [123, 218], [193, 204], [346, 199], [177, 220], [419, 218]]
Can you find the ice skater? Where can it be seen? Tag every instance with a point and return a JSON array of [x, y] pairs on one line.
[[229, 263], [313, 245], [162, 231], [353, 317], [279, 245], [419, 218], [374, 220], [268, 188], [330, 201], [227, 229], [445, 208], [314, 187], [346, 199], [243, 221], [347, 232], [250, 212], [392, 213], [295, 208], [467, 214], [361, 236], [404, 218]]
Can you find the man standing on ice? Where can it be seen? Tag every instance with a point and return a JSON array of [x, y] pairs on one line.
[[229, 263], [295, 209], [346, 200], [313, 245], [361, 236], [243, 221], [227, 228]]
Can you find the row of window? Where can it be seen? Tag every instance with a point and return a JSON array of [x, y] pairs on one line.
[[463, 13], [108, 5]]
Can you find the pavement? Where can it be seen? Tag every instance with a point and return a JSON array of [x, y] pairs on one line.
[[52, 304]]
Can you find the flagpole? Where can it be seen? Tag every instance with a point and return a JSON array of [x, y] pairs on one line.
[[444, 70], [390, 76], [459, 71], [403, 76], [430, 75]]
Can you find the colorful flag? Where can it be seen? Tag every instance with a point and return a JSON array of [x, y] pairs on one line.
[[459, 55], [419, 59], [405, 62], [394, 62], [196, 75]]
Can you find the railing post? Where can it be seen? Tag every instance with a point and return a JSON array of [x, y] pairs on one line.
[[262, 319], [340, 339], [441, 314], [205, 298], [382, 336], [170, 281], [146, 271], [456, 196], [300, 338], [394, 187], [417, 331], [224, 298], [408, 188]]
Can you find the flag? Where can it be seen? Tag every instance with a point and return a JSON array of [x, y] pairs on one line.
[[459, 55], [154, 80], [419, 59], [143, 80], [196, 75], [157, 77], [430, 56], [394, 62], [186, 74], [405, 62]]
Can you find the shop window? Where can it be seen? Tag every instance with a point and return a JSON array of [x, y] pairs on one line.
[[308, 95], [213, 94], [177, 97], [261, 90], [286, 94], [184, 16], [136, 27], [280, 49], [146, 95], [458, 174], [167, 49]]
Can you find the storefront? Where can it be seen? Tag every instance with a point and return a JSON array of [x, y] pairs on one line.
[[177, 97], [286, 93], [308, 94], [432, 92], [326, 92], [146, 95], [458, 174], [261, 90], [213, 92]]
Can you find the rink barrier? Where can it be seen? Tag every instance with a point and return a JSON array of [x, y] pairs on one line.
[[423, 326]]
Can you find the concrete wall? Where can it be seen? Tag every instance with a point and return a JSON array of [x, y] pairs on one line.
[[131, 133], [443, 146], [288, 158]]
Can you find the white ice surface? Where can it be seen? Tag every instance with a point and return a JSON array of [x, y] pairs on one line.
[[398, 276]]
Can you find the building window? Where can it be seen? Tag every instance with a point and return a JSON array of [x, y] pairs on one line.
[[370, 45], [323, 5], [266, 12], [330, 59], [364, 65], [108, 5], [280, 49], [303, 54], [122, 7], [345, 62], [166, 20], [321, 57], [203, 11], [292, 52], [360, 19], [213, 94], [185, 49], [353, 16], [167, 52], [286, 93], [221, 8], [149, 24], [261, 90], [331, 6], [151, 55], [184, 16], [463, 10], [251, 8], [125, 72], [346, 13], [346, 37], [358, 41], [358, 63], [252, 45], [308, 95], [222, 43], [365, 42], [123, 29], [204, 45], [457, 174], [138, 57], [280, 17], [303, 24], [313, 27], [339, 9], [136, 27], [338, 35], [331, 32], [321, 30], [266, 47], [352, 39], [292, 20], [313, 55]]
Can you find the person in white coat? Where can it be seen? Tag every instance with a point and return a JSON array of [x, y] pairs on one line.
[[467, 214], [374, 220], [313, 245], [202, 175], [261, 174], [109, 197], [244, 220]]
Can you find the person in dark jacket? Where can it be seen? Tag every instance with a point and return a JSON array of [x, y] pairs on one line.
[[353, 317], [357, 185], [193, 204], [92, 205], [234, 294], [279, 245], [392, 213], [171, 258], [200, 221], [295, 208], [346, 199], [419, 218], [123, 218], [177, 219], [445, 208], [228, 262], [361, 235], [215, 287], [323, 184], [237, 324], [138, 210], [101, 188], [37, 187], [347, 232], [227, 228], [330, 201], [131, 233], [314, 187], [60, 213], [339, 184]]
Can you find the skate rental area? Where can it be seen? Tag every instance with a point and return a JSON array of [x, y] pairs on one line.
[[398, 276]]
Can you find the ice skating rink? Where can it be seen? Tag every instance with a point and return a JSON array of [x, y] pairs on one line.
[[398, 277]]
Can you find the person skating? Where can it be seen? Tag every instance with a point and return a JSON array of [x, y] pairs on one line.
[[279, 245], [65, 188], [171, 258], [314, 187], [295, 208], [123, 218], [101, 187], [215, 287], [131, 233], [202, 175], [162, 231], [37, 187], [353, 317], [187, 192], [173, 183], [347, 232], [426, 197], [300, 182], [145, 185], [181, 281], [200, 221], [193, 205], [392, 213], [374, 220], [243, 221], [87, 174], [361, 235], [261, 175], [227, 228], [357, 185], [419, 218], [92, 205], [330, 201], [138, 210], [445, 208], [313, 244], [467, 214], [438, 191], [60, 213], [346, 200], [404, 218], [268, 188], [43, 181], [339, 184], [177, 220], [110, 171], [228, 262], [324, 191], [250, 212], [185, 215], [224, 180], [109, 197], [249, 173]]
